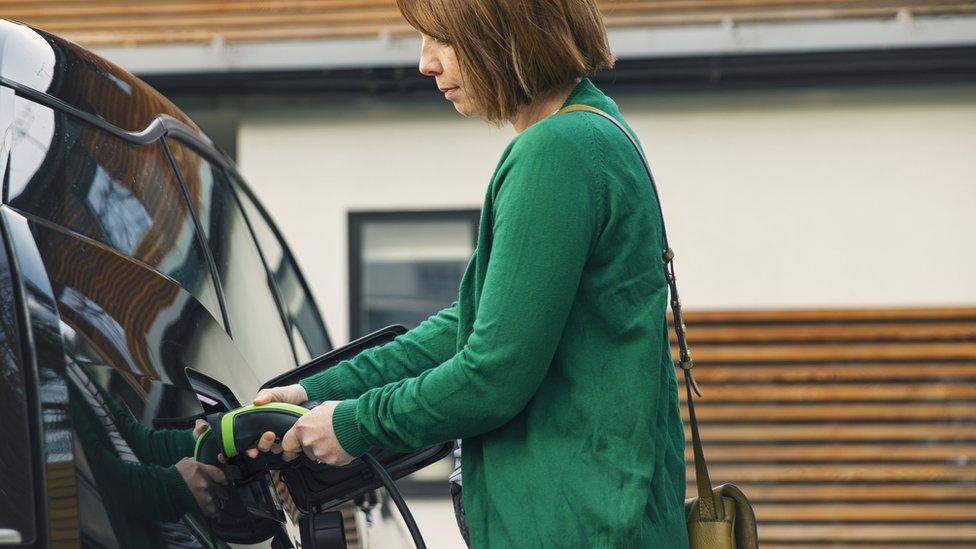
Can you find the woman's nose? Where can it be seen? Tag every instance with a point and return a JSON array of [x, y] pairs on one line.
[[429, 65]]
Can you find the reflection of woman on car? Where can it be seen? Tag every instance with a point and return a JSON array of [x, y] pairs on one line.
[[553, 365], [144, 476]]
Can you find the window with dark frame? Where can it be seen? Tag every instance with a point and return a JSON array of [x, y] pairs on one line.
[[404, 267]]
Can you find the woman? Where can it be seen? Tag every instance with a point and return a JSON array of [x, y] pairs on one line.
[[553, 365]]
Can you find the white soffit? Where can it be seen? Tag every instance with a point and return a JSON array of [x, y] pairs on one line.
[[728, 38]]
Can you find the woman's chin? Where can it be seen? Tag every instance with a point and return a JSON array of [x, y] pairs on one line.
[[464, 111]]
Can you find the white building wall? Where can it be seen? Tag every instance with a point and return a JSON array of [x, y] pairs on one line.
[[787, 198]]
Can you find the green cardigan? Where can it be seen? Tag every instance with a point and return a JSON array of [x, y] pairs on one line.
[[553, 365]]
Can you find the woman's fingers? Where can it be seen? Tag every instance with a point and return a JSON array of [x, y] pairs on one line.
[[199, 427], [266, 441], [291, 446], [265, 444], [265, 396], [292, 394]]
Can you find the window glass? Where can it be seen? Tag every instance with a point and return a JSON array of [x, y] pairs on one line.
[[16, 492], [124, 195], [256, 323], [305, 323], [408, 268]]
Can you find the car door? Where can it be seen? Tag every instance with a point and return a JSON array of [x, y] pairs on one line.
[[17, 483]]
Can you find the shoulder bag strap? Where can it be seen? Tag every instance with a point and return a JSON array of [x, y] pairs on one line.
[[707, 504]]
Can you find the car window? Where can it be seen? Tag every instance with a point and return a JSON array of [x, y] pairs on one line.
[[123, 195], [16, 492], [304, 321], [256, 322]]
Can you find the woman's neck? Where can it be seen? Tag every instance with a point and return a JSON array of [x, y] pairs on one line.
[[541, 107]]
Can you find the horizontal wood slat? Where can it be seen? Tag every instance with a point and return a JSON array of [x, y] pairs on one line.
[[765, 412], [861, 512], [929, 433], [839, 391], [848, 351], [937, 545], [828, 315], [826, 453], [874, 472], [715, 374], [843, 427], [904, 331], [103, 22], [832, 491], [878, 533]]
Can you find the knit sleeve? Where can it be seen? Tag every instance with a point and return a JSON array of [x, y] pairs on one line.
[[546, 212], [420, 349]]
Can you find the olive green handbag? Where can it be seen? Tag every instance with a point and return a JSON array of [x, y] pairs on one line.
[[717, 518]]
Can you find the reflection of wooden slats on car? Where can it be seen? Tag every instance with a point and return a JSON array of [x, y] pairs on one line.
[[62, 504], [103, 22], [842, 426]]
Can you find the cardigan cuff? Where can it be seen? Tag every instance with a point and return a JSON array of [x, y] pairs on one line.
[[347, 430], [322, 386]]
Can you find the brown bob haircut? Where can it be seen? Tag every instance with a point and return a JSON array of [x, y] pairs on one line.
[[512, 51]]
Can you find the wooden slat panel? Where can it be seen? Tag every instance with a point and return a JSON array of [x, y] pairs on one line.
[[856, 351], [850, 472], [103, 23], [838, 545], [871, 512], [764, 412], [891, 533], [902, 331], [828, 315], [712, 434], [839, 391], [826, 453], [110, 11], [718, 374], [865, 492], [221, 22]]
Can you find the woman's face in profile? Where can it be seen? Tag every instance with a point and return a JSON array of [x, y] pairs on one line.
[[437, 59]]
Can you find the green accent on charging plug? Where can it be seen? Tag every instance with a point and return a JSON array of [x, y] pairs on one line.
[[227, 421], [196, 446]]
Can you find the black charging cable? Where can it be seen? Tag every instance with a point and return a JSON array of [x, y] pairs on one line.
[[378, 469]]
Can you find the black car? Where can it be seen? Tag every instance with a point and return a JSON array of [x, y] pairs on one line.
[[133, 253]]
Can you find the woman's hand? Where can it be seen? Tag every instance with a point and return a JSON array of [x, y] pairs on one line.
[[291, 394], [311, 434], [206, 482]]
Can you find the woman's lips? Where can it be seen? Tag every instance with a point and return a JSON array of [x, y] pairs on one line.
[[448, 92]]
